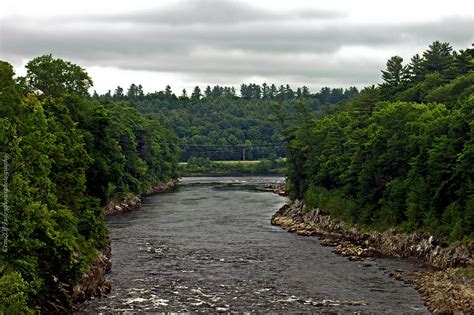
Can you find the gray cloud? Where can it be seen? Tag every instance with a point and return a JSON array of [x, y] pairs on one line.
[[216, 39], [212, 12]]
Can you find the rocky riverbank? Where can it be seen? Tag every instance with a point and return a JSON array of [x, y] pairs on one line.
[[135, 202], [94, 282], [450, 289], [277, 188]]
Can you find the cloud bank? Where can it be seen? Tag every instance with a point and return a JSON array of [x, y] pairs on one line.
[[228, 42]]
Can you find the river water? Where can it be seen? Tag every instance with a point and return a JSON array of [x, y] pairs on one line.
[[209, 247]]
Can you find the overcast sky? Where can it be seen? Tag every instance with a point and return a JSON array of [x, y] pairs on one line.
[[229, 42]]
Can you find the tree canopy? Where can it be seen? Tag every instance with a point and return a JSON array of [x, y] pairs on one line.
[[219, 125], [48, 76], [68, 155], [398, 155]]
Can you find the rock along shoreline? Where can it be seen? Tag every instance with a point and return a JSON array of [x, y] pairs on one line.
[[94, 282], [134, 202], [447, 289]]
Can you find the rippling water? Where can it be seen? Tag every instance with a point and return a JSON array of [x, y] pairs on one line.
[[209, 247]]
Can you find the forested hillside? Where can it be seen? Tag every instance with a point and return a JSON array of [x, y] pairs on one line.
[[400, 154], [64, 156], [217, 124]]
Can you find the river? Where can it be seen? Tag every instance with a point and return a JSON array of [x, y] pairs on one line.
[[209, 247]]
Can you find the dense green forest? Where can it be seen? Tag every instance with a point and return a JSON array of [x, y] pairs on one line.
[[64, 156], [67, 154], [400, 154], [218, 125]]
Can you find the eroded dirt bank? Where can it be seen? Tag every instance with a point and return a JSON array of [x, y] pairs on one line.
[[448, 289]]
